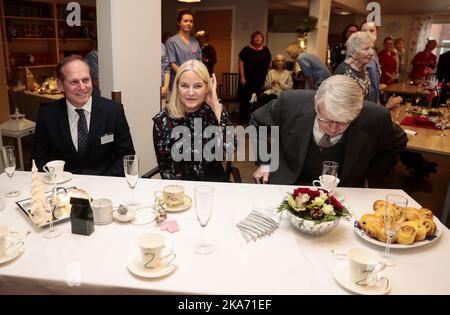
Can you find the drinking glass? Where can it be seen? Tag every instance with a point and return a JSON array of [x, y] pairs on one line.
[[394, 215], [329, 175], [443, 119], [131, 170], [56, 197], [9, 162], [203, 197]]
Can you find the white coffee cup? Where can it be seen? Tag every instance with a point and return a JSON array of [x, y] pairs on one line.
[[327, 182], [54, 169], [172, 195], [152, 247], [102, 209], [362, 264], [3, 241]]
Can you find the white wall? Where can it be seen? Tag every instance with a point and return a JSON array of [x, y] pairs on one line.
[[250, 16], [129, 61]]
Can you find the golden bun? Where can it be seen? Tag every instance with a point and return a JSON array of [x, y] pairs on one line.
[[406, 235]]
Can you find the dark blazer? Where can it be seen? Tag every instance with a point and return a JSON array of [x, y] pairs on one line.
[[53, 140], [373, 141]]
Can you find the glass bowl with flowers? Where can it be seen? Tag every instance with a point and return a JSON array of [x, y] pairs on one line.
[[313, 211]]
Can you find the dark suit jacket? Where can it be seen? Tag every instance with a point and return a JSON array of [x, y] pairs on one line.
[[373, 141], [53, 140]]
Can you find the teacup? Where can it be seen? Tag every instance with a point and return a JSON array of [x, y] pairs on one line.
[[5, 242], [172, 195], [102, 209], [54, 169], [327, 182], [362, 264], [152, 247]]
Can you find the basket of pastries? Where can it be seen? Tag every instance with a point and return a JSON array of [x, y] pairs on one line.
[[417, 226]]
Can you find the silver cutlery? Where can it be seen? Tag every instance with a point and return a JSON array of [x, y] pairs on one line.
[[256, 226]]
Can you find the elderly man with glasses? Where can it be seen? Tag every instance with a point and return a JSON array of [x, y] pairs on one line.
[[332, 124]]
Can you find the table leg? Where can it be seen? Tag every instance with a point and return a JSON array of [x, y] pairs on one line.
[[19, 144]]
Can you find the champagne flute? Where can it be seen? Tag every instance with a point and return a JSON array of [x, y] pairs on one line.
[[394, 215], [131, 170], [443, 119], [203, 196], [57, 193], [329, 175], [9, 162]]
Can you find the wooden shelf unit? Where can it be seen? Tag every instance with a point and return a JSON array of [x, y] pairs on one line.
[[36, 30]]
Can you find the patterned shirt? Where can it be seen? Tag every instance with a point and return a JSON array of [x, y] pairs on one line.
[[361, 77], [195, 167]]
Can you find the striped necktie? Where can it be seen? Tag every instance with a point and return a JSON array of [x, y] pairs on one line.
[[82, 132]]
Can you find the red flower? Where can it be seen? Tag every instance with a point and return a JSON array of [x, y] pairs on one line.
[[335, 203], [310, 192]]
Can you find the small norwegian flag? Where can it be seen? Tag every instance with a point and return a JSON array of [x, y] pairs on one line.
[[436, 91]]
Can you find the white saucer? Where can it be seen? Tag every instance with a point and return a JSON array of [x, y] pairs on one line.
[[124, 218], [342, 276], [12, 252], [187, 203], [136, 267], [65, 178]]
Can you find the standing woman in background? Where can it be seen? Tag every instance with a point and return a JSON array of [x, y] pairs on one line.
[[254, 63], [339, 52], [182, 47]]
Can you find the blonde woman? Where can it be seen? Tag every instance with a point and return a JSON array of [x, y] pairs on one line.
[[193, 107]]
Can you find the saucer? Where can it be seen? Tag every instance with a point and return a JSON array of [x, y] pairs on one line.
[[342, 276], [124, 218], [13, 252], [187, 203], [136, 267], [65, 178]]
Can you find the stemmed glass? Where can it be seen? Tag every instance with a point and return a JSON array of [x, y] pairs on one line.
[[203, 196], [57, 193], [329, 175], [443, 119], [394, 215], [131, 170], [9, 162]]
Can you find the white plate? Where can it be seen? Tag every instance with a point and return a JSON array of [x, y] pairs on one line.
[[342, 276], [12, 252], [124, 218], [65, 178], [187, 203], [361, 233], [136, 267]]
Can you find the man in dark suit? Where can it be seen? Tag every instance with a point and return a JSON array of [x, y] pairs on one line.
[[90, 133], [330, 125], [443, 75]]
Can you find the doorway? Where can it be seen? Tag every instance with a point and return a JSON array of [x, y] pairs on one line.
[[219, 25]]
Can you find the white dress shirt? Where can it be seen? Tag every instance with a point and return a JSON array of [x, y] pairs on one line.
[[73, 119], [318, 134]]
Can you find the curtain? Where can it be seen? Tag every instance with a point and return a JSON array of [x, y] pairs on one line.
[[420, 31]]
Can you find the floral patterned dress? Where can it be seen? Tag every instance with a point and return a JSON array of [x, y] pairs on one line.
[[170, 137]]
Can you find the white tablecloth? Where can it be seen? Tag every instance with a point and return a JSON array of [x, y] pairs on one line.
[[285, 263]]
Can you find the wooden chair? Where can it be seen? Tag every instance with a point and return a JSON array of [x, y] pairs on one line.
[[230, 170], [229, 87]]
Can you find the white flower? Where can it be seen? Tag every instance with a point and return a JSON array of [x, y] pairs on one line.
[[323, 195], [318, 202], [328, 209]]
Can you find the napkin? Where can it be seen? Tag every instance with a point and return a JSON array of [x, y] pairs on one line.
[[410, 132], [170, 226]]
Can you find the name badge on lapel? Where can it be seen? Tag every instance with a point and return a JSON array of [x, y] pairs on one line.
[[107, 139]]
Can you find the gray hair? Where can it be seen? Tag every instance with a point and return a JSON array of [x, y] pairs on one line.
[[356, 41], [341, 97]]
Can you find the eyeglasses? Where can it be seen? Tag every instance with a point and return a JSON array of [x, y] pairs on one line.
[[330, 122]]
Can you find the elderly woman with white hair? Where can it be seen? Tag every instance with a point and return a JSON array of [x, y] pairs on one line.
[[183, 147], [331, 125], [360, 54], [277, 80]]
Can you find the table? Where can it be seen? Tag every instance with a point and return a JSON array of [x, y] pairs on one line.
[[285, 263], [19, 135], [426, 140], [403, 88]]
